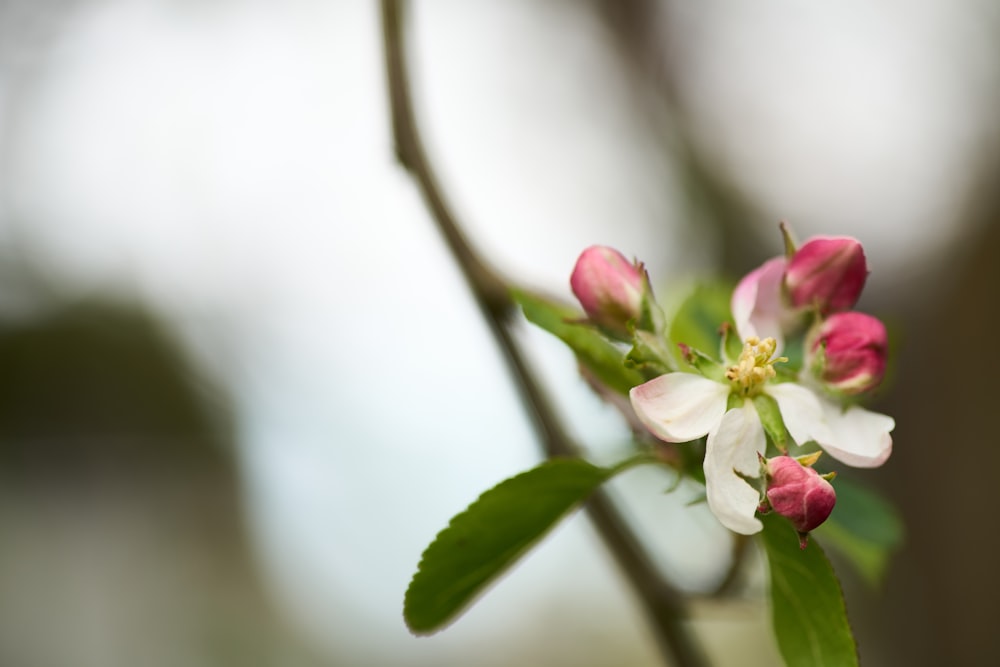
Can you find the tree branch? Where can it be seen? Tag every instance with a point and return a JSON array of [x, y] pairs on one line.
[[663, 603]]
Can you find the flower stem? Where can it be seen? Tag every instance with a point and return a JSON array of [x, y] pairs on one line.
[[665, 606]]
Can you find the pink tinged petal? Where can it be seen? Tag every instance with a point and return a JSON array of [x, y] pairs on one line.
[[858, 437], [732, 448], [757, 305], [678, 407], [801, 411]]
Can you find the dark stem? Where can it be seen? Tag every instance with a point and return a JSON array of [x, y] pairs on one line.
[[664, 605], [741, 543]]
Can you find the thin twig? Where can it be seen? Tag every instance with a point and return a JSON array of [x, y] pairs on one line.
[[663, 603]]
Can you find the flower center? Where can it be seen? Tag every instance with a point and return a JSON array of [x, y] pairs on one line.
[[755, 365]]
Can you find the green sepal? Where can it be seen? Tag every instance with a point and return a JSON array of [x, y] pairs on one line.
[[486, 539], [602, 358], [649, 355], [807, 603], [770, 418], [650, 316], [702, 363], [809, 460], [786, 235]]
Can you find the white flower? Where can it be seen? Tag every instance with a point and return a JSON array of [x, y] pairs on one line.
[[680, 407]]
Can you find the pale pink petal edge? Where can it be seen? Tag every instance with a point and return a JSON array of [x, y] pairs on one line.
[[678, 407]]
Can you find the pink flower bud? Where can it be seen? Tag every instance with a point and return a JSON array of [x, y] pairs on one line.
[[609, 287], [798, 493], [848, 352], [827, 272]]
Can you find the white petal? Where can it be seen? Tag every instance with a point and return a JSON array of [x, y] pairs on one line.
[[678, 407], [756, 303], [859, 438], [801, 411], [733, 446]]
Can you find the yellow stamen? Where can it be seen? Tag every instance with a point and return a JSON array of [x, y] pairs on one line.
[[755, 365]]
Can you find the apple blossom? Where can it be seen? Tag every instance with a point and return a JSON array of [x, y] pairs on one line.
[[610, 288], [681, 407]]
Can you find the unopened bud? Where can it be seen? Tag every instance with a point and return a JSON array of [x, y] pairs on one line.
[[610, 289], [798, 493], [848, 352], [827, 273]]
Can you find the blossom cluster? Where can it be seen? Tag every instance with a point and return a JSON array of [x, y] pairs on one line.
[[748, 395]]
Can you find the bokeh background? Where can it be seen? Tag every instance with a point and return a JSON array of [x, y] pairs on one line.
[[242, 384]]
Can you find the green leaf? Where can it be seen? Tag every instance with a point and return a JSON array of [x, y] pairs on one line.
[[864, 528], [487, 538], [696, 323], [692, 455], [810, 619], [606, 361]]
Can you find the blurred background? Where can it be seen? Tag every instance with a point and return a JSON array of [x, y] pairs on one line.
[[242, 385]]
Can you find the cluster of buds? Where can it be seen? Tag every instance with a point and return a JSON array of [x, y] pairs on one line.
[[818, 284], [739, 402]]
